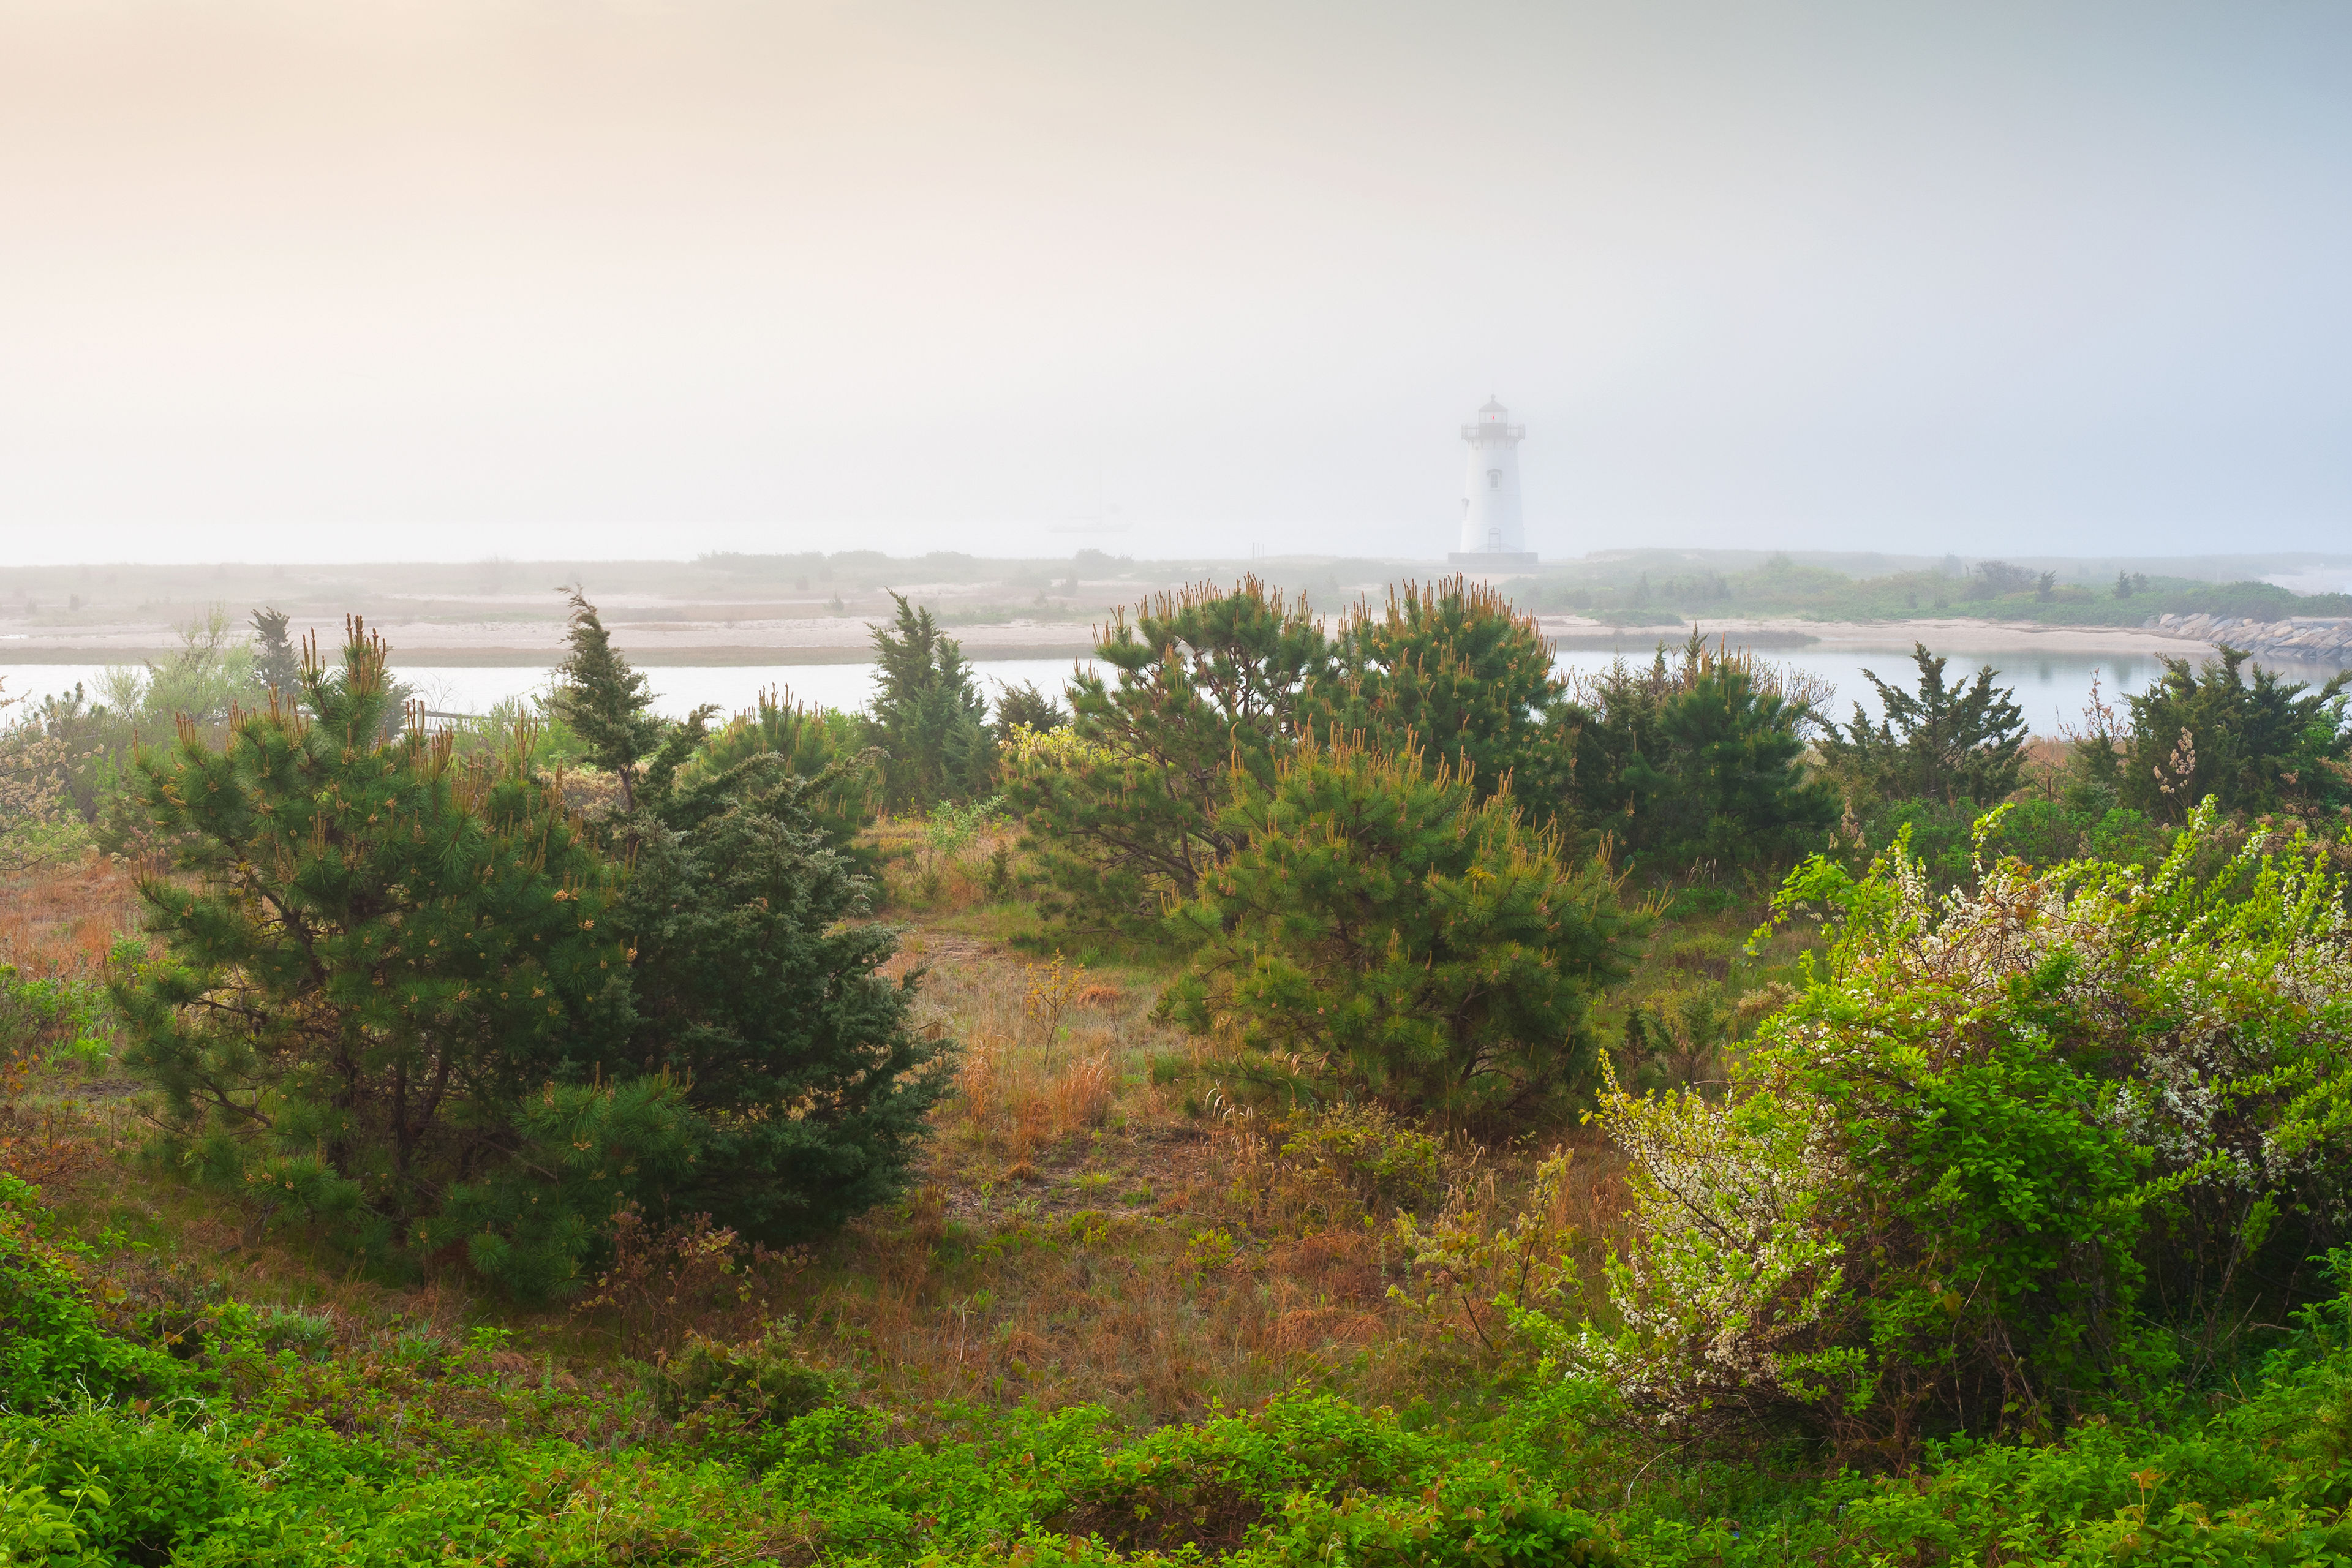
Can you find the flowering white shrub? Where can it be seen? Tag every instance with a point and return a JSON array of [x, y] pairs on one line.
[[1942, 1184]]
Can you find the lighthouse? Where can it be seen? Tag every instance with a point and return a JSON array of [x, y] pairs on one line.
[[1492, 536]]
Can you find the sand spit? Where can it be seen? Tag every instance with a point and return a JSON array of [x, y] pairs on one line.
[[1953, 635], [829, 639], [672, 641]]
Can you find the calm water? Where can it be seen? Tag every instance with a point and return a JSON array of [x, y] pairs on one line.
[[2049, 688]]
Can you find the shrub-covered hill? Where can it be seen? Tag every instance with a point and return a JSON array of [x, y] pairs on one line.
[[159, 1410], [245, 1437]]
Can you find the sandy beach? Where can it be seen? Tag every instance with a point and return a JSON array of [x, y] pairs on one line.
[[825, 639], [672, 641]]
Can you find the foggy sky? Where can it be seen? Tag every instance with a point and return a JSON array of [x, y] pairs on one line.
[[385, 278]]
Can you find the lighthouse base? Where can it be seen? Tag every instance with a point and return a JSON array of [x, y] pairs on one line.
[[1493, 559]]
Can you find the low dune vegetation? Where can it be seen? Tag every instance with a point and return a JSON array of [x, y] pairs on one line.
[[1316, 1089]]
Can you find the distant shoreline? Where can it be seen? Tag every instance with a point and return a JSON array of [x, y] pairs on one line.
[[1944, 633], [847, 641], [508, 657]]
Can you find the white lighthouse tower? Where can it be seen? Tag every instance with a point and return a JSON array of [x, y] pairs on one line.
[[1492, 536]]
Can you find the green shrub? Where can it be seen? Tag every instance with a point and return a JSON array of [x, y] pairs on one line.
[[1698, 762], [817, 744], [1028, 706], [763, 1381], [1956, 1179], [307, 1334], [53, 1018], [1940, 838], [1456, 673], [1125, 803], [37, 1527], [950, 830], [1393, 934], [54, 1349], [200, 682], [1947, 743], [158, 1483], [527, 724], [2259, 746], [1385, 1163]]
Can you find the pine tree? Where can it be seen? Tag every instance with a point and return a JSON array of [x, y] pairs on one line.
[[374, 956], [929, 715], [1125, 803], [758, 987], [274, 659], [1948, 743], [404, 996], [1719, 777], [1468, 676], [606, 703], [1399, 933]]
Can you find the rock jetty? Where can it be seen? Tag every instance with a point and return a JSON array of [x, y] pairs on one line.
[[2306, 639]]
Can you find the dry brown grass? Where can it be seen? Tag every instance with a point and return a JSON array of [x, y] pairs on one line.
[[1203, 1292], [63, 919], [917, 879], [59, 922], [664, 1285], [1050, 1053], [1079, 1236]]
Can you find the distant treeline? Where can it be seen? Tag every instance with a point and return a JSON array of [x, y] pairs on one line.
[[1993, 590]]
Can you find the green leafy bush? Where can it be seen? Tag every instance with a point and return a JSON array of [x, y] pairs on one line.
[[52, 1016], [150, 1485], [1940, 839], [763, 1381], [55, 1349], [37, 1527], [200, 682], [2005, 1143], [1386, 1163], [39, 820]]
